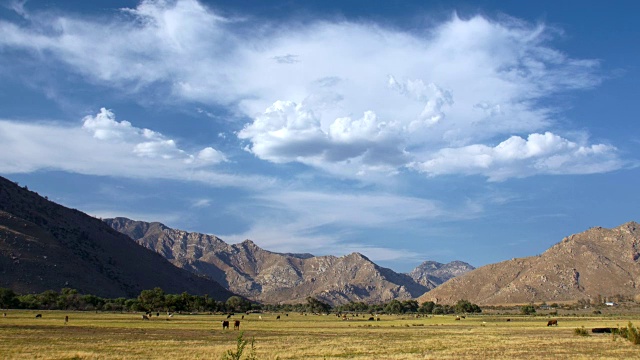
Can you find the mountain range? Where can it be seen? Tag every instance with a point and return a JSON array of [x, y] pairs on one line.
[[46, 246], [271, 277], [596, 264]]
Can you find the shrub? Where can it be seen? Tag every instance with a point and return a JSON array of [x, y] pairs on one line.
[[581, 331], [240, 345], [630, 333]]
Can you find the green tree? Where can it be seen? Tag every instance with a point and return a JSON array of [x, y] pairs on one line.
[[238, 304], [152, 300], [8, 299], [427, 307], [528, 310], [394, 307], [316, 306]]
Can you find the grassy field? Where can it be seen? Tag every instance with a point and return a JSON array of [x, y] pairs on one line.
[[125, 336]]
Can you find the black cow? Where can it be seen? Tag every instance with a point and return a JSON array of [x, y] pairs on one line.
[[236, 325], [552, 322], [38, 316], [225, 325], [371, 319], [278, 317], [66, 319]]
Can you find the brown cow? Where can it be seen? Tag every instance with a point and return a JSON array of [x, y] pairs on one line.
[[552, 322], [225, 325], [145, 317], [66, 319], [236, 325]]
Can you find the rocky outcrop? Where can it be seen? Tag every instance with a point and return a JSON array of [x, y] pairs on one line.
[[433, 273]]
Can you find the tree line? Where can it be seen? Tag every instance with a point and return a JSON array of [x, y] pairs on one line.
[[157, 300]]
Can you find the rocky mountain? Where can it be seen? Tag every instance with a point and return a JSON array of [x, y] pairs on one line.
[[598, 262], [46, 246], [270, 277], [433, 273]]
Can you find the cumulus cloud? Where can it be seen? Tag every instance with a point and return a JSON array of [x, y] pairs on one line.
[[348, 97], [517, 157], [105, 146]]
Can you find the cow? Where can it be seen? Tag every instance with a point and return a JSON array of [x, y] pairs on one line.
[[4, 314], [371, 319], [457, 317], [225, 324], [552, 322], [242, 317], [236, 325], [66, 319], [38, 316], [145, 317], [508, 320], [278, 317], [229, 316]]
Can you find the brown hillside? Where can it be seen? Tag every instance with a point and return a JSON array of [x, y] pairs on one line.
[[598, 262], [270, 277], [46, 246]]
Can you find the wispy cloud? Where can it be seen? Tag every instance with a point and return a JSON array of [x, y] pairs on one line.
[[105, 146], [397, 101]]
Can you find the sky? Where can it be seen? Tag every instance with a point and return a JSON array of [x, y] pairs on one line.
[[404, 130]]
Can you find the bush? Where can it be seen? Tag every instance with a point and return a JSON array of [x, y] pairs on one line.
[[240, 345], [581, 331], [630, 333]]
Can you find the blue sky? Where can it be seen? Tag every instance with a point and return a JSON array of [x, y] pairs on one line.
[[407, 131]]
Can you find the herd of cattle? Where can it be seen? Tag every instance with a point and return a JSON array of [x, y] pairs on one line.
[[236, 323]]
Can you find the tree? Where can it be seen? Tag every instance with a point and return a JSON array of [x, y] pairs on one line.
[[394, 307], [528, 310], [316, 306], [238, 304], [426, 307], [152, 299], [8, 299]]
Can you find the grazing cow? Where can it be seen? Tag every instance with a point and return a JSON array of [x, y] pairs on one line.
[[552, 322], [242, 317], [457, 317], [286, 314], [229, 316], [377, 319], [157, 314], [66, 319], [508, 320], [225, 325], [371, 319], [278, 317], [464, 317], [145, 317], [236, 325], [38, 316]]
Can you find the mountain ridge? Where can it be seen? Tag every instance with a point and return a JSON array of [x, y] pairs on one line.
[[596, 263], [272, 277], [45, 246]]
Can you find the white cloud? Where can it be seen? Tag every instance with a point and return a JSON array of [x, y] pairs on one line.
[[296, 221], [347, 97], [104, 146], [516, 157]]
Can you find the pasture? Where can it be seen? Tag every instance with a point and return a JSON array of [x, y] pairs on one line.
[[90, 335]]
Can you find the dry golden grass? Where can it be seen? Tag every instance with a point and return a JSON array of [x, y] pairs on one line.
[[126, 336]]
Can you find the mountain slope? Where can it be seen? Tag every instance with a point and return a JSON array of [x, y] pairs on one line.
[[270, 277], [433, 273], [596, 262], [46, 246]]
